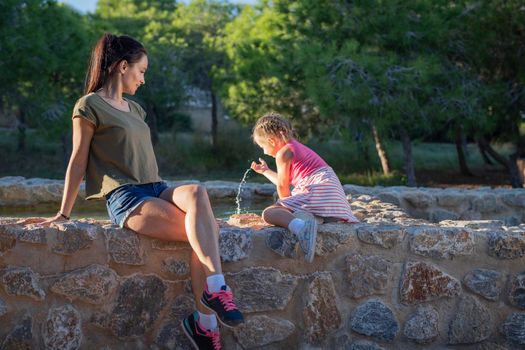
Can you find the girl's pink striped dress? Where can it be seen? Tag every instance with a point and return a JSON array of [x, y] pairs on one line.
[[317, 189]]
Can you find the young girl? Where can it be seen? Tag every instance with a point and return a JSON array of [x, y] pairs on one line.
[[112, 148], [316, 188]]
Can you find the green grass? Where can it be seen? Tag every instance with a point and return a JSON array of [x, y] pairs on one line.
[[190, 156]]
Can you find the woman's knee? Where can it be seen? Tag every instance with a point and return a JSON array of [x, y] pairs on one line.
[[197, 192]]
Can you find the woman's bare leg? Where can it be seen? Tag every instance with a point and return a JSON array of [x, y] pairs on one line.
[[166, 219]]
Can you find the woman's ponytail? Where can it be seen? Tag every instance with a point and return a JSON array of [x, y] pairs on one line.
[[107, 54]]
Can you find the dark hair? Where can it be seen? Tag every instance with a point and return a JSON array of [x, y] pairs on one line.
[[275, 125], [109, 51]]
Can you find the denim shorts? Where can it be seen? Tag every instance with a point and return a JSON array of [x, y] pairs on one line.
[[124, 199]]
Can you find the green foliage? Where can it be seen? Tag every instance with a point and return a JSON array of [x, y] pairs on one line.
[[44, 45]]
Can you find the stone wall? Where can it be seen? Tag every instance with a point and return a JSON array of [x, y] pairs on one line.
[[433, 204], [390, 282]]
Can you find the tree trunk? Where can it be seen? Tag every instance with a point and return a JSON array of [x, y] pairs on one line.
[[509, 164], [21, 131], [381, 152], [407, 158], [214, 121], [484, 154], [463, 167], [152, 122]]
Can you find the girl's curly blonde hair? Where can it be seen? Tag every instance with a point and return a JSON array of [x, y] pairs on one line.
[[273, 125]]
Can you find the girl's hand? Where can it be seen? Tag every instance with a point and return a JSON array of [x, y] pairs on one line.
[[43, 221], [259, 167]]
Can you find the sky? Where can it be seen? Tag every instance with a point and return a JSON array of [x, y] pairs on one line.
[[90, 5]]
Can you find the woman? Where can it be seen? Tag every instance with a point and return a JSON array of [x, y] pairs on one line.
[[113, 150]]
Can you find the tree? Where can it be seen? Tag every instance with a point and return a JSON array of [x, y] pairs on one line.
[[492, 44], [199, 26], [263, 75], [44, 45]]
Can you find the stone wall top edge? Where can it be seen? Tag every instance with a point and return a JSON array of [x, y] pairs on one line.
[[10, 180]]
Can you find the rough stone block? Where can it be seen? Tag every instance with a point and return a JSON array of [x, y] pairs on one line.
[[365, 345], [175, 266], [422, 282], [386, 236], [62, 329], [7, 238], [282, 241], [20, 337], [418, 199], [450, 198], [389, 197], [170, 334], [261, 330], [422, 326], [22, 281], [487, 283], [507, 245], [92, 284], [473, 224], [140, 299], [472, 322], [321, 315], [3, 308], [514, 329], [517, 290], [441, 242], [220, 189], [35, 234], [124, 246], [261, 288], [514, 198], [485, 203], [439, 215], [366, 275], [374, 319], [74, 236], [331, 236], [235, 244]]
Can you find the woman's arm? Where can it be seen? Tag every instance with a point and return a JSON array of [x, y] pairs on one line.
[[283, 160]]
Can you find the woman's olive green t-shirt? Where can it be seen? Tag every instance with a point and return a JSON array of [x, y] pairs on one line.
[[121, 151]]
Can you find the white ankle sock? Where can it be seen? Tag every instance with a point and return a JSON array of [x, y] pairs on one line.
[[296, 225], [207, 321], [215, 282]]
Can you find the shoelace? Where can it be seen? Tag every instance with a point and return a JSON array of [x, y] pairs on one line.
[[215, 336], [216, 340], [226, 299]]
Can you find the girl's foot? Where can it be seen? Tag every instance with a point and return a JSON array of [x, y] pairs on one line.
[[308, 237]]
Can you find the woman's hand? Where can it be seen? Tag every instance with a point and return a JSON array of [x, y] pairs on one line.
[[259, 167], [43, 221]]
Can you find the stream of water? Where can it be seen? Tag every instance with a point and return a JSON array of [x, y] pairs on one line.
[[238, 199]]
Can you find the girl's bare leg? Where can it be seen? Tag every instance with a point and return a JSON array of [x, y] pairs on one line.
[[278, 215]]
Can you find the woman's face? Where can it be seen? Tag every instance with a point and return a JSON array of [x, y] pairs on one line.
[[133, 76]]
